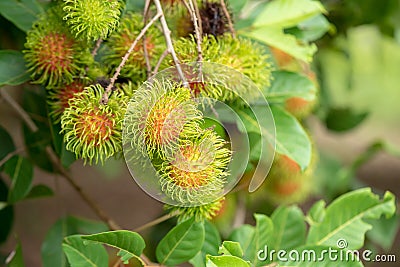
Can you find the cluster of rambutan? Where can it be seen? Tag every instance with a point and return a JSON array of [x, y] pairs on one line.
[[163, 121]]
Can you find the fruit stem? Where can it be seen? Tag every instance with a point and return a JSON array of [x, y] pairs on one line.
[[104, 99], [228, 16]]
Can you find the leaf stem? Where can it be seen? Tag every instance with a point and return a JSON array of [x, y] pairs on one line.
[[156, 221]]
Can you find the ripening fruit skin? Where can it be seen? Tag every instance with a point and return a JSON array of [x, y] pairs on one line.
[[299, 107], [196, 172], [239, 54], [207, 211], [287, 183], [158, 115], [93, 130], [92, 19], [58, 97], [120, 41], [53, 56]]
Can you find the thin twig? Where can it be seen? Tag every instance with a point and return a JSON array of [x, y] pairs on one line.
[[167, 36], [145, 52], [228, 16], [96, 47], [104, 99], [156, 221], [190, 7], [57, 164], [162, 57], [10, 155], [21, 112], [196, 8]]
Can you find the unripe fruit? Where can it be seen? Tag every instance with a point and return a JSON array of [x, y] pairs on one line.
[[197, 170], [120, 41], [52, 55], [92, 19], [207, 211], [239, 54], [93, 130], [59, 97]]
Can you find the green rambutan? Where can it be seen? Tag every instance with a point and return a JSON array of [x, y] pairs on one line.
[[196, 173], [53, 56], [92, 19], [207, 211], [120, 41], [91, 130], [239, 54], [158, 115]]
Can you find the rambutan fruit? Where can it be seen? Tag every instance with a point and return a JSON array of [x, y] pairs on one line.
[[158, 115], [240, 54], [53, 56], [207, 211], [287, 183], [91, 130], [58, 97], [92, 19], [300, 107], [196, 172], [120, 41]]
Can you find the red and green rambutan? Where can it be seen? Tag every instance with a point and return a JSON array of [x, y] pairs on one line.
[[120, 41], [93, 131], [287, 183], [195, 174], [242, 55], [92, 19], [158, 115], [58, 98], [53, 56]]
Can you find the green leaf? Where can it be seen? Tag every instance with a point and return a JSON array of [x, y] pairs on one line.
[[212, 239], [182, 243], [40, 190], [23, 13], [231, 248], [244, 235], [288, 13], [288, 43], [263, 230], [236, 5], [7, 144], [343, 119], [311, 29], [289, 228], [286, 84], [12, 66], [129, 243], [80, 254], [345, 217], [6, 213], [384, 231], [317, 212], [21, 172], [16, 259], [51, 250], [291, 138], [226, 261]]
